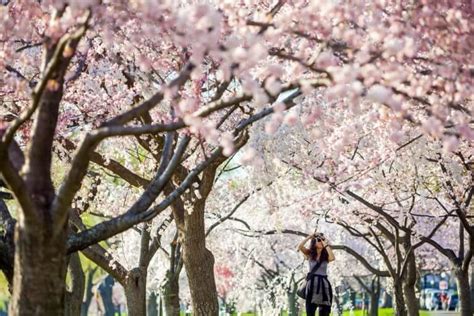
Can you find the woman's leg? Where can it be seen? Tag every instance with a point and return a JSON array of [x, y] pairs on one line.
[[310, 308], [324, 310]]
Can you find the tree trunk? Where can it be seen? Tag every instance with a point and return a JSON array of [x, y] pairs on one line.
[[412, 303], [338, 309], [374, 296], [374, 304], [352, 297], [472, 282], [75, 295], [464, 291], [152, 307], [135, 292], [105, 290], [89, 293], [409, 284], [40, 270], [399, 306], [293, 300], [171, 294], [199, 264], [7, 244], [387, 299]]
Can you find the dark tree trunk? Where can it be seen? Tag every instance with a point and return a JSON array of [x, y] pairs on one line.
[[409, 284], [387, 300], [374, 304], [472, 282], [464, 291], [171, 294], [352, 297], [7, 244], [160, 305], [365, 305], [40, 271], [399, 306], [75, 295], [412, 303], [89, 293], [105, 290], [198, 260], [338, 304], [199, 264], [374, 296], [135, 292], [293, 300], [152, 307]]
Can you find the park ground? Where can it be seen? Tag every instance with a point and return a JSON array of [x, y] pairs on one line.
[[382, 312]]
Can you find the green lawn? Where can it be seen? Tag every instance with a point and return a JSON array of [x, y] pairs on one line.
[[357, 312], [382, 312]]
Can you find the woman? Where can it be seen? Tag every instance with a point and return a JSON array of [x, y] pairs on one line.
[[318, 288]]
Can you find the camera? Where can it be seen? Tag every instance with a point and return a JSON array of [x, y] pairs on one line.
[[319, 237]]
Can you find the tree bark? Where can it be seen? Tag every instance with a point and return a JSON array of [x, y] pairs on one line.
[[472, 282], [352, 297], [199, 263], [40, 235], [399, 306], [464, 291], [171, 294], [40, 271], [374, 296], [409, 284], [89, 293], [152, 306], [135, 292], [293, 300], [7, 243], [338, 309], [105, 290], [75, 295], [40, 246], [387, 299], [374, 304]]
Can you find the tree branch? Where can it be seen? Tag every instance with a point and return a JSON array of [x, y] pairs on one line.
[[154, 100], [375, 208], [112, 165], [136, 213], [104, 259], [70, 40], [361, 259]]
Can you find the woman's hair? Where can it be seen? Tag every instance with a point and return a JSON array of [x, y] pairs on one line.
[[313, 254]]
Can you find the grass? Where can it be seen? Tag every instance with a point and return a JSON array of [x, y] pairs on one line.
[[357, 312], [382, 312]]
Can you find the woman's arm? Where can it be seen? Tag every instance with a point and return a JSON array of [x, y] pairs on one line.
[[301, 246], [328, 248]]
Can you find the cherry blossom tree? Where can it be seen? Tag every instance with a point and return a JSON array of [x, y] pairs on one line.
[[186, 82], [35, 191], [407, 214]]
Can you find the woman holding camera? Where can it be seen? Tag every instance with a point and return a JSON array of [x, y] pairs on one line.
[[318, 288]]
